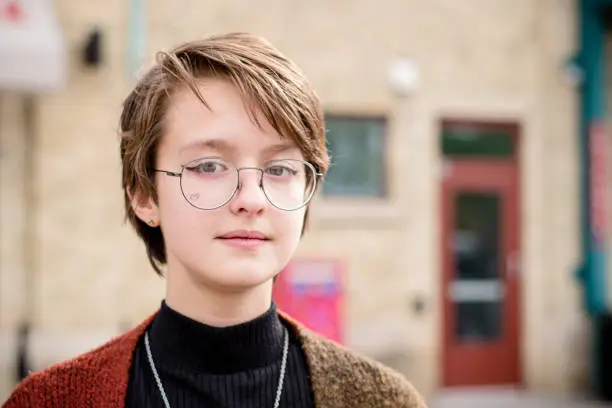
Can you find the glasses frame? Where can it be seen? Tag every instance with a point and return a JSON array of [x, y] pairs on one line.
[[179, 174]]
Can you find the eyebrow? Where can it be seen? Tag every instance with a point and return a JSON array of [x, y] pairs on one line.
[[280, 147], [213, 144], [225, 146]]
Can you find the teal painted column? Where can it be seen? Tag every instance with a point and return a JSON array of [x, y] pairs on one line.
[[591, 59], [137, 36], [593, 270]]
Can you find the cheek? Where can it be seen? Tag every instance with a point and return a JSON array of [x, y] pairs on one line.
[[169, 194], [175, 211], [289, 224]]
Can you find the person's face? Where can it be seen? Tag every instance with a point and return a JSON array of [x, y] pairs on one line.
[[198, 242]]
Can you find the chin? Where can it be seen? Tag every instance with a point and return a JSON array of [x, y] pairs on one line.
[[241, 278]]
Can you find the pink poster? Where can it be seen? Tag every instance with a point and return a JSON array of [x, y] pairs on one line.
[[311, 291], [11, 10]]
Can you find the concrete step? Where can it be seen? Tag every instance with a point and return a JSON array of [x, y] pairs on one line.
[[507, 398]]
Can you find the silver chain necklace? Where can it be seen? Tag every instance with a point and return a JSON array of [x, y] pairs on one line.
[[281, 379]]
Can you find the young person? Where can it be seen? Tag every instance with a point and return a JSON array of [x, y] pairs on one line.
[[223, 147]]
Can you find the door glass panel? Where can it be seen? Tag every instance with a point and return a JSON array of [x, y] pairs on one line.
[[477, 290]]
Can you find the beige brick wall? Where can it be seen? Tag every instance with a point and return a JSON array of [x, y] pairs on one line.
[[12, 230], [481, 60]]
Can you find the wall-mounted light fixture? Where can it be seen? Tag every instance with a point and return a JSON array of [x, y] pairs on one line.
[[92, 51], [404, 77]]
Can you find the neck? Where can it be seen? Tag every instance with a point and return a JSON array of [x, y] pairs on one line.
[[213, 306]]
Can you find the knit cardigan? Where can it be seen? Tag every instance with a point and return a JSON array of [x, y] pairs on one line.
[[339, 378]]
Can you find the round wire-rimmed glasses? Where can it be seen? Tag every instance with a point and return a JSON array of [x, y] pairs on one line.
[[209, 183]]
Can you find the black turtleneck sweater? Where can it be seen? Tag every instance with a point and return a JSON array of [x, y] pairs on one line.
[[230, 367]]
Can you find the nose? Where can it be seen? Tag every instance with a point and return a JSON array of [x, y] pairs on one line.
[[249, 197]]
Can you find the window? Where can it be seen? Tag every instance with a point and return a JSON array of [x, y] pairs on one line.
[[466, 140], [356, 146]]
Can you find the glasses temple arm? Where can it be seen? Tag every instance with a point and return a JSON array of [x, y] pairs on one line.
[[168, 173]]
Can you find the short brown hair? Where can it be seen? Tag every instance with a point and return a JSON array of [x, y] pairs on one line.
[[270, 84]]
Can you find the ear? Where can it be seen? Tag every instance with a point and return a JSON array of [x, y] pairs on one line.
[[145, 208]]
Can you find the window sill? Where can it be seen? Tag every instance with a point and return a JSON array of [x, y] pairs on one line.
[[332, 212]]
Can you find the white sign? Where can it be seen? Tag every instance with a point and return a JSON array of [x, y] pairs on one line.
[[32, 50]]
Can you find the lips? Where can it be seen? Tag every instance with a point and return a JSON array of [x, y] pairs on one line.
[[244, 240], [245, 235]]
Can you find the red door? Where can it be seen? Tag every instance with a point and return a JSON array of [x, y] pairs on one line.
[[480, 251]]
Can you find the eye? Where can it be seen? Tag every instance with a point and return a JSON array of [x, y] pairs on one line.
[[281, 170], [208, 166]]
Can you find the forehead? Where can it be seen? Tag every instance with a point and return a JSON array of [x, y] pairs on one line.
[[224, 123]]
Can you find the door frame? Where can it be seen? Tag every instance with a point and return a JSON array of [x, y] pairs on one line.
[[513, 129]]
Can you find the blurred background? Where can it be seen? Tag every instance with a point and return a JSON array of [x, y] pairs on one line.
[[463, 236]]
